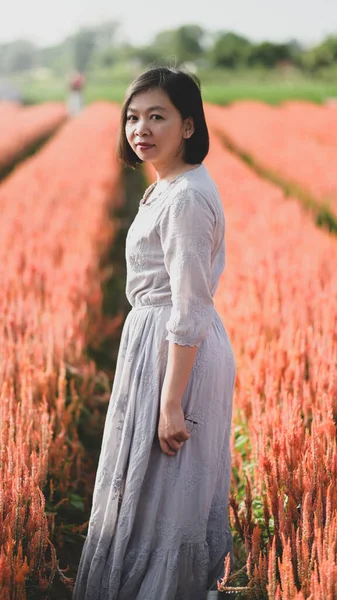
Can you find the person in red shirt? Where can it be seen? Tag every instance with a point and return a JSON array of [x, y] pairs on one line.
[[75, 100]]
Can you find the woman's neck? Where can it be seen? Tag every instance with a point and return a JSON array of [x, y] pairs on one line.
[[166, 173]]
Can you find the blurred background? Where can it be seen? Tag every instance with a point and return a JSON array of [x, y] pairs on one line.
[[240, 49]]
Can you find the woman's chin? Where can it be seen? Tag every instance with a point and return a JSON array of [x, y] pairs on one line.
[[148, 154]]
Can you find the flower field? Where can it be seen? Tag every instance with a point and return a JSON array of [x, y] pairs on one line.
[[52, 231], [286, 145], [278, 301], [20, 127]]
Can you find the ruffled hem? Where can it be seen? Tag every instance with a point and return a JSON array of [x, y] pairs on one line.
[[177, 574], [184, 573], [165, 574]]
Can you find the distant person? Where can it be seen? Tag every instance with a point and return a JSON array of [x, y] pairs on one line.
[[75, 99], [159, 527]]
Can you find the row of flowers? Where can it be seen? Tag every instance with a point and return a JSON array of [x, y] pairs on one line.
[[286, 144], [21, 127], [278, 301], [53, 230]]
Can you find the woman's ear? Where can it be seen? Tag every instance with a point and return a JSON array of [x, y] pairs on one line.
[[188, 127]]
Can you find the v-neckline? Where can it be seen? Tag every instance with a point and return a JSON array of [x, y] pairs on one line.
[[145, 199]]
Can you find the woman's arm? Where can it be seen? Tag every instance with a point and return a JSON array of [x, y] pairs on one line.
[[186, 232], [172, 429], [179, 366]]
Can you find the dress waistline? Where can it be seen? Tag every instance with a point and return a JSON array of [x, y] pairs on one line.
[[149, 306]]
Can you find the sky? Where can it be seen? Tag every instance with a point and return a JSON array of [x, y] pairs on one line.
[[46, 22]]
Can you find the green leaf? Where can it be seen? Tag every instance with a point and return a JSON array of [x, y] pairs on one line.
[[76, 501]]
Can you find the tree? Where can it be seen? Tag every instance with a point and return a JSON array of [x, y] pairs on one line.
[[17, 56], [105, 34], [95, 45], [323, 55], [58, 58], [84, 45], [107, 57], [268, 54], [147, 55], [229, 50], [182, 44], [188, 39]]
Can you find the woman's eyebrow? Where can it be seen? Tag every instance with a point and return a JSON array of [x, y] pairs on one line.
[[149, 109]]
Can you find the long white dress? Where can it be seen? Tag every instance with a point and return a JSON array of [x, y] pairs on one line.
[[159, 527]]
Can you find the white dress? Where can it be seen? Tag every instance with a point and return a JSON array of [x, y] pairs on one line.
[[159, 527]]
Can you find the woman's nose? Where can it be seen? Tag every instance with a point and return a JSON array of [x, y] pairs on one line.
[[142, 128]]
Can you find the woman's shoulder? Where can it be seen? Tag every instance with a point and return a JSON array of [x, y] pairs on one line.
[[196, 184]]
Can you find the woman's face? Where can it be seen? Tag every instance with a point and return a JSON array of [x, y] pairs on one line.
[[155, 129]]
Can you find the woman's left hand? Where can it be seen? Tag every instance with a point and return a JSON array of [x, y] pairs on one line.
[[172, 430]]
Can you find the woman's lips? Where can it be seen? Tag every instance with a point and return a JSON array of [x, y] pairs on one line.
[[145, 146]]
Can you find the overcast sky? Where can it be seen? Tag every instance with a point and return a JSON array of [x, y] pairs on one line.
[[48, 21]]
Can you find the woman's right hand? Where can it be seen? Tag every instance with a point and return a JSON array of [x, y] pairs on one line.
[[172, 430]]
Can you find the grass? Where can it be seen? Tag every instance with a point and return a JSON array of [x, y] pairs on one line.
[[269, 92], [218, 86]]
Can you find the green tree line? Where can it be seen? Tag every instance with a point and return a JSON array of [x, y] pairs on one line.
[[98, 46]]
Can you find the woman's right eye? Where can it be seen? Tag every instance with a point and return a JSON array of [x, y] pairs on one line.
[[129, 117]]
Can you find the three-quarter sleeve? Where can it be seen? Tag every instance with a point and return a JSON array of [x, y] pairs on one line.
[[187, 232]]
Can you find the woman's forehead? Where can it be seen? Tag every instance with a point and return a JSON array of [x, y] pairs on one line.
[[150, 100]]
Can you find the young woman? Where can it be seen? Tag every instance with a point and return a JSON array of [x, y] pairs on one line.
[[159, 528]]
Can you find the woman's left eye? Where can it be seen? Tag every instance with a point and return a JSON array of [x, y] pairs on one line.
[[157, 116]]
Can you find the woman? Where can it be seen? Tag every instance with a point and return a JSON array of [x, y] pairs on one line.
[[159, 525]]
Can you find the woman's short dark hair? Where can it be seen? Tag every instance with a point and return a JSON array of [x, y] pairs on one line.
[[183, 89]]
